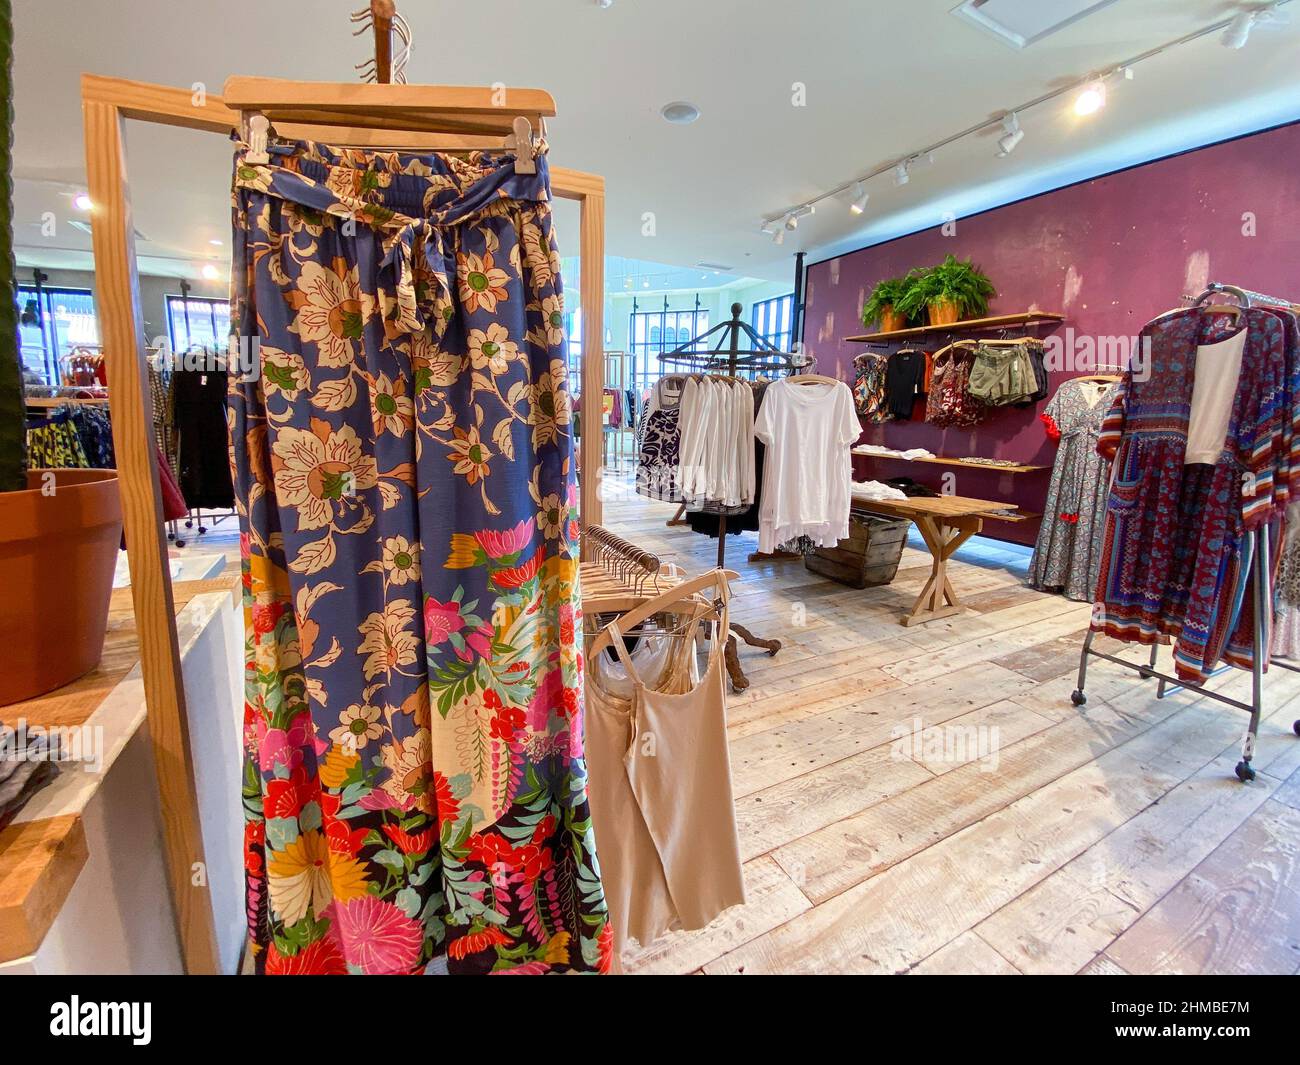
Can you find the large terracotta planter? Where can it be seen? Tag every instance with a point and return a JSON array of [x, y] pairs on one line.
[[57, 554], [890, 320], [945, 312]]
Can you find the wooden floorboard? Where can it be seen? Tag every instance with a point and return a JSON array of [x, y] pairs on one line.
[[928, 799], [879, 836]]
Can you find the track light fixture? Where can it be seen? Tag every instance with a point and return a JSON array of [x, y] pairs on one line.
[[1238, 31], [1086, 97], [1091, 99], [1012, 135]]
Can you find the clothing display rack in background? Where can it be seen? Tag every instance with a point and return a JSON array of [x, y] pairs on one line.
[[1261, 581], [619, 576]]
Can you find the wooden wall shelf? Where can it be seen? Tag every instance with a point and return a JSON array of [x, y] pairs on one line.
[[941, 461], [970, 325]]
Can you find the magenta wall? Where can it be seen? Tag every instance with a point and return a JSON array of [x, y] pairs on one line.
[[1110, 253]]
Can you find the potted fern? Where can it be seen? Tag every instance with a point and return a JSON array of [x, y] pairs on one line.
[[881, 305], [59, 529], [954, 290]]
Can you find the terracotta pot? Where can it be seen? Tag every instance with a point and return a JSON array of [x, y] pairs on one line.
[[58, 550], [890, 320], [944, 312]]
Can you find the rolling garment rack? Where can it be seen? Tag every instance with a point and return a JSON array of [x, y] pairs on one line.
[[1262, 586]]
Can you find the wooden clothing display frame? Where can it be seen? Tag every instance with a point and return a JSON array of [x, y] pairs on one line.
[[407, 117]]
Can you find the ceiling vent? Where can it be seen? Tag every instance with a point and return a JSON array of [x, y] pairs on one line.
[[714, 266], [1020, 23]]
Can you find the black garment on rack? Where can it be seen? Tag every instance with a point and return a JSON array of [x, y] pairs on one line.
[[202, 450], [904, 378]]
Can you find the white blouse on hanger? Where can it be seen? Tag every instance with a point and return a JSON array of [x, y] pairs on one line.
[[807, 470], [716, 443]]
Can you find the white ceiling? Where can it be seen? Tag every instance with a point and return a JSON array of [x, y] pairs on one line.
[[882, 80]]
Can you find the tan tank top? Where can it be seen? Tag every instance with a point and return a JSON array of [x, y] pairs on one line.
[[660, 794]]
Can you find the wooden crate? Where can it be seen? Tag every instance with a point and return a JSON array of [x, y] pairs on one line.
[[870, 555]]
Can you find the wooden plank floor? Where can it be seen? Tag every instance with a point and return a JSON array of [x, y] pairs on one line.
[[1104, 839]]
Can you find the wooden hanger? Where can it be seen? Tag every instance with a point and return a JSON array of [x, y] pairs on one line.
[[715, 578], [1099, 378], [812, 379], [427, 117]]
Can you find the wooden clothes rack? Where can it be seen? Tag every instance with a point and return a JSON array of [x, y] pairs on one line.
[[1261, 577], [415, 117]]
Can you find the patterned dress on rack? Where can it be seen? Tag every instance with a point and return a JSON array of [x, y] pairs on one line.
[[1175, 557], [1067, 555], [949, 402]]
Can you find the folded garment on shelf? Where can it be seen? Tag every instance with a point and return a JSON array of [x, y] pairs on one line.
[[893, 453], [870, 490]]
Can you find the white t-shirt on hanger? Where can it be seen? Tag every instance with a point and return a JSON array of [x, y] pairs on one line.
[[807, 472]]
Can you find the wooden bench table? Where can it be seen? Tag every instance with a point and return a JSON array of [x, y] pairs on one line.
[[945, 523]]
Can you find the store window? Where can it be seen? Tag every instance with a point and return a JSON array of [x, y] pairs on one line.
[[53, 321], [198, 321], [573, 345], [772, 320], [651, 333]]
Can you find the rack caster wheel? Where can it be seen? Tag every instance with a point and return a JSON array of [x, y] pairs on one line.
[[180, 543], [1078, 698], [1296, 728], [1245, 773]]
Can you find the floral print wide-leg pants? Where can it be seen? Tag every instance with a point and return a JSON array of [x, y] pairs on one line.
[[414, 781]]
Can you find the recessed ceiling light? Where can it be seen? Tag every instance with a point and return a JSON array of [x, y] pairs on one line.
[[82, 202], [215, 242], [210, 272], [680, 113]]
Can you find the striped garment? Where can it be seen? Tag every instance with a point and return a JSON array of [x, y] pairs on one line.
[[1175, 554]]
